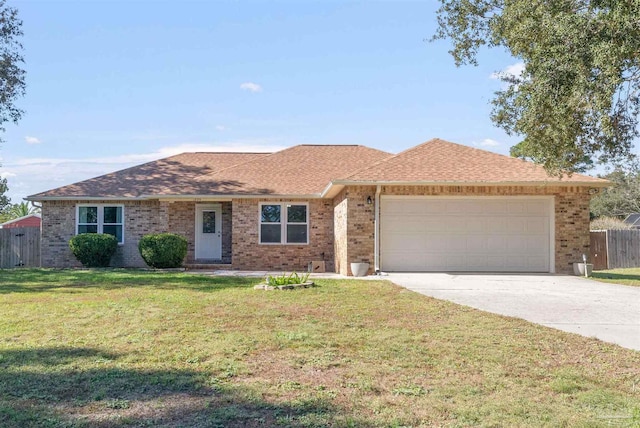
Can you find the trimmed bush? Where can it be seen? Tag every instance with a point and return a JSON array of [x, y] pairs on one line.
[[93, 249], [163, 250]]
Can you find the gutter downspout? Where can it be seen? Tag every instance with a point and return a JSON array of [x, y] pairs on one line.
[[376, 232]]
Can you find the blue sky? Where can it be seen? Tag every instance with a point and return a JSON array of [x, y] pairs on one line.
[[114, 84]]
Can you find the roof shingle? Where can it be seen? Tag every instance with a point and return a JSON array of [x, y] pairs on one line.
[[439, 161], [308, 170], [298, 170], [168, 176]]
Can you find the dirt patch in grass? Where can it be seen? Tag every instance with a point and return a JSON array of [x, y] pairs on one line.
[[174, 349]]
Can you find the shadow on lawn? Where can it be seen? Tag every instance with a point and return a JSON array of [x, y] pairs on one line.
[[74, 280], [48, 387], [616, 276]]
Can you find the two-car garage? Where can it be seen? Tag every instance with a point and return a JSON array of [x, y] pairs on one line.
[[466, 234]]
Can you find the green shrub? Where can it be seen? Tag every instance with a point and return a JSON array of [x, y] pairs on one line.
[[285, 279], [163, 250], [93, 249]]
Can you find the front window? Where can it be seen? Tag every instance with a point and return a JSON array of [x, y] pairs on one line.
[[284, 223], [101, 219]]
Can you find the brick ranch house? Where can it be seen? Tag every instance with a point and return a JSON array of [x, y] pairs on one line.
[[438, 206]]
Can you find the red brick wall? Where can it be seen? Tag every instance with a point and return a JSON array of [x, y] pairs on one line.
[[249, 254], [59, 225]]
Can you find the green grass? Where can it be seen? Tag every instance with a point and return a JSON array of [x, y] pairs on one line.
[[117, 348], [628, 276]]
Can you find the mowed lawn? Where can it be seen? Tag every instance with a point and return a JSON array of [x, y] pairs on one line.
[[627, 276], [124, 348]]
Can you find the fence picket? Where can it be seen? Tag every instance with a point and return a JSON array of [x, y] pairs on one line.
[[622, 249], [19, 247]]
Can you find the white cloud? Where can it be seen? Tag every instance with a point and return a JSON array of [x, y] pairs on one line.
[[514, 70], [34, 175], [32, 140], [251, 87], [220, 128], [488, 142]]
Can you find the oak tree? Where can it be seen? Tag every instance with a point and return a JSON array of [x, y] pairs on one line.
[[578, 96], [12, 75]]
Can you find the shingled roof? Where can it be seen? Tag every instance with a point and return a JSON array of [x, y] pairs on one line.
[[169, 176], [299, 170], [310, 171], [303, 170], [439, 161]]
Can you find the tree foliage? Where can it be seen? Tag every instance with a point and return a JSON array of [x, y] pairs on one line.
[[5, 201], [12, 75], [621, 199], [579, 94], [21, 209]]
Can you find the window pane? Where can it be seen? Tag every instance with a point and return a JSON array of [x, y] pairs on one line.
[[113, 230], [270, 214], [297, 233], [297, 213], [209, 222], [270, 233], [113, 214], [88, 215], [88, 229]]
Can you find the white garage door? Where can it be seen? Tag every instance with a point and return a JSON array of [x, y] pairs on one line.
[[483, 234]]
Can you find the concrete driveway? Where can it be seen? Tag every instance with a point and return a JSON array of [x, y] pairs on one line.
[[607, 311]]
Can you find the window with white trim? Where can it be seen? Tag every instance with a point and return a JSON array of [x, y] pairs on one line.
[[284, 223], [101, 219]]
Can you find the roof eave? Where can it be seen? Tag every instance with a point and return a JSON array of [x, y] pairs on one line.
[[36, 198], [220, 197], [235, 196], [603, 183]]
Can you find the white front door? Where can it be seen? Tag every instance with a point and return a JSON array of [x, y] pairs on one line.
[[208, 232]]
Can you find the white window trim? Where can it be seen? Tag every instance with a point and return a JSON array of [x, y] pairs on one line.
[[101, 223], [283, 223]]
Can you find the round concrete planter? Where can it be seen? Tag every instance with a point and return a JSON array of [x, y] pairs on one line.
[[579, 269], [359, 269]]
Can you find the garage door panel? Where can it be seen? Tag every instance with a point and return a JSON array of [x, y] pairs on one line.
[[537, 226], [517, 207], [406, 242], [496, 243], [409, 225], [516, 226], [475, 234], [539, 207], [495, 207], [495, 225], [474, 225], [476, 244]]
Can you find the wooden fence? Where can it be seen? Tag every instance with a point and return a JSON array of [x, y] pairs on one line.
[[612, 249], [19, 247]]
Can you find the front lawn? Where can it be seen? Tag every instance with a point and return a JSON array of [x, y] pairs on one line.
[[125, 348], [628, 276]]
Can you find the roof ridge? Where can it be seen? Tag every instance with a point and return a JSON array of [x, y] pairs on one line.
[[220, 153], [390, 157], [242, 163]]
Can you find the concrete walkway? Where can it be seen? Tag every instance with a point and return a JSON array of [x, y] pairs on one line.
[[607, 311]]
